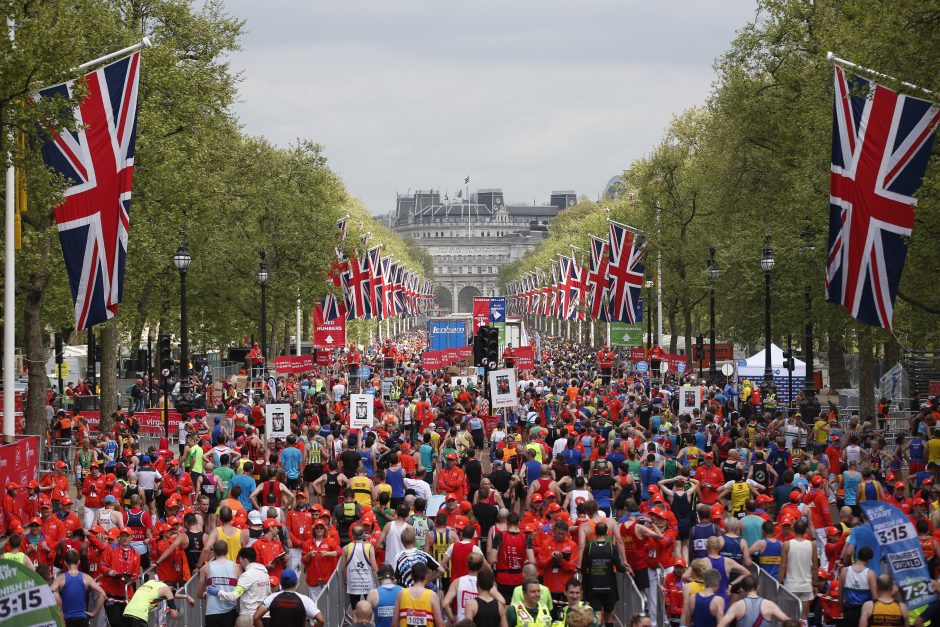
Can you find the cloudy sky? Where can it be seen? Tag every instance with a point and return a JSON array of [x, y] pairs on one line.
[[527, 95]]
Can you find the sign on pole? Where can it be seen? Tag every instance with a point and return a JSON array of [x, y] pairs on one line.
[[503, 388], [727, 370], [277, 420], [497, 310], [328, 334], [626, 334], [361, 411]]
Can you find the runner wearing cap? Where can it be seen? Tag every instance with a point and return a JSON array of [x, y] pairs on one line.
[[451, 478], [384, 598], [270, 550]]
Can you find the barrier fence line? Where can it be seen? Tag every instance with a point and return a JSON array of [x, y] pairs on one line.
[[772, 590], [333, 600]]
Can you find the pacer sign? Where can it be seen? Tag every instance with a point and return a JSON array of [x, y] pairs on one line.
[[901, 547], [328, 334]]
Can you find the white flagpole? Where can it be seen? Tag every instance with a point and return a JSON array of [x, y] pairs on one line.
[[592, 333], [608, 334], [9, 291], [143, 43], [861, 68], [299, 328]]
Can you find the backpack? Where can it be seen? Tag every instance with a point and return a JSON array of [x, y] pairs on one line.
[[422, 529]]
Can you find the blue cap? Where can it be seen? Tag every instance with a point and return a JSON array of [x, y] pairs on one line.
[[110, 499], [288, 578], [145, 459], [216, 419]]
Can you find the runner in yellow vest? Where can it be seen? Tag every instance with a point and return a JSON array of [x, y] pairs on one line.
[[137, 612]]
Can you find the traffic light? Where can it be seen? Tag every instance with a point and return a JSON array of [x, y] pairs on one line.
[[165, 350], [788, 363], [490, 345], [478, 349]]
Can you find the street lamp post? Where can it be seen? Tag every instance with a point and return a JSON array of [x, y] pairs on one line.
[[649, 316], [810, 402], [263, 280], [712, 278], [182, 259], [767, 265]]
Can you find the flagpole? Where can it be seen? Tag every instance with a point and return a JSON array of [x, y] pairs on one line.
[[840, 61], [143, 43], [608, 333], [299, 326], [592, 334], [9, 290]]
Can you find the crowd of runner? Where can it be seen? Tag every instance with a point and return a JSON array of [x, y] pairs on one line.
[[443, 515]]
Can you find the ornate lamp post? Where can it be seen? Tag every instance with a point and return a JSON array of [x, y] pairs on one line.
[[767, 265], [649, 316], [712, 278], [182, 259], [263, 280]]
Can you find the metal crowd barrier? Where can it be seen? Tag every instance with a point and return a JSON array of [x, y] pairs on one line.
[[333, 600], [630, 602], [772, 590]]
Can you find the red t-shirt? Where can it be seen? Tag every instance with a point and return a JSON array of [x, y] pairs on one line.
[[710, 480]]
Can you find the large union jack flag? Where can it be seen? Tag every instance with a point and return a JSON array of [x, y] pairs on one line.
[[597, 280], [357, 289], [881, 142], [625, 273], [98, 160]]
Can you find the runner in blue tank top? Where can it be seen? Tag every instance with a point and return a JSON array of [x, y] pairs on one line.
[[383, 598], [706, 606]]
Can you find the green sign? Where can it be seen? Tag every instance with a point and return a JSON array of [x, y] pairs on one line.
[[626, 334], [502, 331], [25, 598]]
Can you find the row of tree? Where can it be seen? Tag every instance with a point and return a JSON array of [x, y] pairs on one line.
[[198, 176], [752, 162]]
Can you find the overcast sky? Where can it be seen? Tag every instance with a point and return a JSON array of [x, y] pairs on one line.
[[530, 96]]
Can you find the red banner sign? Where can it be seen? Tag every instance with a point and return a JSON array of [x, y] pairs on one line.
[[637, 354], [489, 423], [330, 334], [433, 360], [296, 364], [151, 421], [525, 358], [19, 463], [20, 418], [324, 358], [481, 313], [674, 361], [723, 352]]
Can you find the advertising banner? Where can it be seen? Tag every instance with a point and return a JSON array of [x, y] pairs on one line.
[[293, 364], [151, 421], [277, 420], [481, 313], [503, 388], [901, 547], [330, 334], [497, 310], [723, 352], [361, 411], [626, 334], [637, 355], [20, 418], [432, 360], [26, 600], [324, 358], [525, 358], [674, 361], [19, 463]]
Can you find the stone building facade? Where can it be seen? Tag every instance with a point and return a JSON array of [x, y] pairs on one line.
[[469, 239]]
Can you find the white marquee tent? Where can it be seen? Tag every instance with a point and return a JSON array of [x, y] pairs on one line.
[[755, 365]]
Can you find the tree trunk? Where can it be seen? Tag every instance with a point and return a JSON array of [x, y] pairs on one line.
[[108, 338], [36, 356], [687, 320], [866, 375], [673, 330], [838, 373], [892, 352]]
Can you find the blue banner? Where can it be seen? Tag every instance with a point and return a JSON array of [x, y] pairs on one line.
[[497, 310], [901, 547]]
